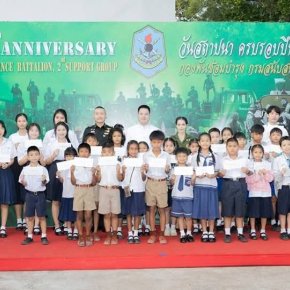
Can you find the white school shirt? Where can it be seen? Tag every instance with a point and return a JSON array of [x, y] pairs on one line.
[[279, 163], [236, 173], [156, 173], [15, 138], [21, 150], [50, 136], [83, 175], [67, 188], [268, 127], [186, 192], [133, 178], [140, 133], [205, 181], [109, 175], [34, 182], [7, 147], [50, 148]]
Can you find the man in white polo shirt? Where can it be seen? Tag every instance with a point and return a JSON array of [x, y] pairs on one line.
[[142, 130]]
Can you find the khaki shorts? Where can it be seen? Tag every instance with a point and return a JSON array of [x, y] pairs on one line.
[[156, 193], [109, 201], [97, 193], [84, 199]]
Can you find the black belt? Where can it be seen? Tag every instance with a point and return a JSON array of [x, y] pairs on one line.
[[235, 179], [35, 192]]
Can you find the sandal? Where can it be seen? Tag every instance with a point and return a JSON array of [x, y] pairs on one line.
[[119, 235], [114, 240], [195, 230], [81, 242], [136, 240], [89, 241], [204, 238], [107, 241], [96, 237], [253, 236], [3, 233], [152, 239], [147, 232], [189, 238], [183, 239], [75, 236], [36, 231], [211, 238], [64, 230], [130, 239], [69, 236], [19, 227], [162, 240], [58, 231], [264, 236]]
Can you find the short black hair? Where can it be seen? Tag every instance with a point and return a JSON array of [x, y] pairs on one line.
[[108, 145], [274, 108], [120, 126], [90, 135], [181, 118], [232, 140], [70, 151], [33, 148], [240, 135], [4, 127], [276, 130], [84, 145], [258, 129], [284, 138], [214, 129], [144, 107], [182, 150], [157, 135]]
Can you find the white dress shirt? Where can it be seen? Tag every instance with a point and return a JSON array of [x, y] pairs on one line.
[[268, 127], [50, 136]]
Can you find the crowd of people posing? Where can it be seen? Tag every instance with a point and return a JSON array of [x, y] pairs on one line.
[[217, 182]]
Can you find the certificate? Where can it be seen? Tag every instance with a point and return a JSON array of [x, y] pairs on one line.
[[262, 165], [64, 165], [37, 143], [157, 162], [83, 162], [235, 164], [96, 150], [5, 158], [108, 161], [183, 170], [119, 151], [201, 170], [273, 148], [173, 159], [218, 148], [33, 171], [133, 162]]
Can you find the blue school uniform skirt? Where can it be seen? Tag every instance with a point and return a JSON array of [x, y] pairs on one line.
[[66, 213], [138, 206], [54, 187], [125, 203], [260, 207], [19, 189], [7, 187], [205, 205]]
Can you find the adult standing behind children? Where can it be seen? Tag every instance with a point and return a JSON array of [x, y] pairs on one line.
[[142, 130], [181, 137], [100, 128]]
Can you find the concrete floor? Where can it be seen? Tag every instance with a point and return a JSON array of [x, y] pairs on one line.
[[262, 278]]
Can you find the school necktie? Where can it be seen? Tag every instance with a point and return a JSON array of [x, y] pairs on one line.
[[204, 162], [180, 183], [288, 162]]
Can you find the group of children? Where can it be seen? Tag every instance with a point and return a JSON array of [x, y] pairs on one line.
[[195, 189]]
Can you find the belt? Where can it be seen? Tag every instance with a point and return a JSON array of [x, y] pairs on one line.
[[235, 179], [110, 186], [158, 180], [84, 185], [35, 192]]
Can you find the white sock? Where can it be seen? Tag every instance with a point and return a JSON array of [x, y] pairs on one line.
[[76, 231], [262, 231], [240, 231], [227, 231], [173, 227], [140, 227], [119, 229], [43, 235], [30, 236], [273, 222], [148, 227], [288, 231], [182, 233], [283, 230], [69, 230], [167, 226], [253, 230], [135, 233], [130, 233], [233, 224], [19, 221], [218, 222], [3, 227], [278, 223]]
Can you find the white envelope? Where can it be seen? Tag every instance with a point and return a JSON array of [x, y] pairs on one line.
[[119, 151], [262, 165], [173, 159], [37, 143], [201, 170], [244, 153], [234, 164], [273, 148], [5, 158], [157, 162], [183, 170], [64, 165], [96, 150], [108, 161], [33, 171], [83, 162], [218, 148], [133, 162]]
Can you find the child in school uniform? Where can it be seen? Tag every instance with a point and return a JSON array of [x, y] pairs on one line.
[[281, 165], [54, 152], [7, 185], [84, 180], [226, 134], [134, 187], [66, 212], [17, 138], [259, 203], [215, 135], [182, 197], [257, 132], [205, 205], [169, 146], [234, 190], [242, 140], [156, 186], [109, 177], [35, 201]]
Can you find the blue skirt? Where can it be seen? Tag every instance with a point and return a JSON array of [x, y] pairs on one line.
[[16, 170], [125, 203], [138, 206], [205, 205], [66, 213], [7, 187], [54, 187]]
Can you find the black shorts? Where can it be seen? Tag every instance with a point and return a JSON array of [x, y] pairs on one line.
[[35, 204], [233, 198], [284, 200]]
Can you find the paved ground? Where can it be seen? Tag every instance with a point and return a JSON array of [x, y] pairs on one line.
[[261, 278]]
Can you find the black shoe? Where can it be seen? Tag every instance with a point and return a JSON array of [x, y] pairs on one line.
[[264, 236], [130, 240], [58, 231], [19, 227], [27, 241], [3, 233], [69, 236], [190, 238], [253, 236], [183, 239], [204, 238], [36, 231], [44, 241], [284, 236], [220, 228], [227, 238], [275, 228], [147, 232], [211, 238], [242, 238], [136, 240]]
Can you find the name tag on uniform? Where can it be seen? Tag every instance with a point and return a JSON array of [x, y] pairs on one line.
[[37, 143], [183, 170], [83, 162], [5, 158]]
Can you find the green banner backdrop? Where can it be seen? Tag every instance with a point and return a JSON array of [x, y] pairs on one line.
[[215, 74]]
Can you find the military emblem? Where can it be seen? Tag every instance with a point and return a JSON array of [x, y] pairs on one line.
[[148, 51]]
